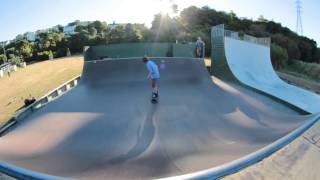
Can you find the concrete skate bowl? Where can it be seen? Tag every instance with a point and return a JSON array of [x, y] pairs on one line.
[[107, 128]]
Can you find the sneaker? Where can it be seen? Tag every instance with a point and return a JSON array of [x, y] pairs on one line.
[[154, 95]]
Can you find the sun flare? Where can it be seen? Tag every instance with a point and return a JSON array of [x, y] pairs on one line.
[[165, 7]]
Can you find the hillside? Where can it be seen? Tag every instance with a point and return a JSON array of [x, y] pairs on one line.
[[184, 27], [35, 80]]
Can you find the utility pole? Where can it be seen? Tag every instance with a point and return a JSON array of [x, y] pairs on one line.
[[299, 29]]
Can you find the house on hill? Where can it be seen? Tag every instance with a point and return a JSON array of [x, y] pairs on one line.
[[114, 25], [31, 36], [69, 30]]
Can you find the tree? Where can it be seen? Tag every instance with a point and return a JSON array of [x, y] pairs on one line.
[[75, 23], [99, 26], [24, 49], [14, 59], [45, 55], [306, 51], [77, 41], [279, 56], [189, 17], [233, 16], [185, 27], [130, 33], [11, 50], [273, 27], [117, 35], [175, 8], [262, 19], [60, 28], [3, 58], [293, 50], [92, 32], [165, 28], [258, 30]]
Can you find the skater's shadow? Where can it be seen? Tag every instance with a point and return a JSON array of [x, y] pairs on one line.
[[145, 136]]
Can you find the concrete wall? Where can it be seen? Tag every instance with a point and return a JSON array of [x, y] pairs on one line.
[[126, 50], [23, 65]]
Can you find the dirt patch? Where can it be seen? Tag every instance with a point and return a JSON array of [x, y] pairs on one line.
[[300, 81]]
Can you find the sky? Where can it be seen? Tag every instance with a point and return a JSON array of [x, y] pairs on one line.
[[20, 16]]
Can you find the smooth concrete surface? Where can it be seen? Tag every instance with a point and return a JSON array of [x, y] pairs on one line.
[[5, 177], [107, 128], [251, 64], [298, 160]]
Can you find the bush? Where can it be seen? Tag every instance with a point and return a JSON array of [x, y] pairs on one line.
[[279, 56], [45, 55], [311, 70], [3, 59], [15, 60], [60, 53]]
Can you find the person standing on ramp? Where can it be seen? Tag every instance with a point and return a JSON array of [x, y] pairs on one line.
[[154, 75], [200, 48]]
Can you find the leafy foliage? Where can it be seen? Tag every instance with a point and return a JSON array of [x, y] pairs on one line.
[[3, 58], [311, 70], [279, 56], [16, 60], [191, 23]]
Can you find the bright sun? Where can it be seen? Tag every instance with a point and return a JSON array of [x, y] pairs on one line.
[[165, 7]]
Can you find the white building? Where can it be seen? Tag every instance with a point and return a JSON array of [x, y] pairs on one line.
[[114, 25], [31, 36], [68, 30], [43, 31]]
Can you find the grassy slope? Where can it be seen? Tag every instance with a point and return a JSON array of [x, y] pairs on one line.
[[35, 80], [300, 80]]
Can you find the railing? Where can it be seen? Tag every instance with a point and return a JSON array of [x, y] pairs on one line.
[[44, 100], [8, 67], [248, 38]]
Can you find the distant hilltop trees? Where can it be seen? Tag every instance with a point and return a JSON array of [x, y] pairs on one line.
[[192, 22]]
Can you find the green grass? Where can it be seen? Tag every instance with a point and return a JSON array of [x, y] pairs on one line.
[[302, 82], [306, 70], [35, 80]]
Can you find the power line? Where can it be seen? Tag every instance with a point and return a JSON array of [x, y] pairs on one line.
[[299, 29]]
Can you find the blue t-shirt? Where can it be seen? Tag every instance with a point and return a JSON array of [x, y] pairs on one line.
[[153, 69], [199, 44]]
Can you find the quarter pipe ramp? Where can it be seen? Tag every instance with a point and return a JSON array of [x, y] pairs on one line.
[[248, 62]]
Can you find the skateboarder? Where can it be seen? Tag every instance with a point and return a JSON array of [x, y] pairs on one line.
[[200, 48], [154, 75]]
